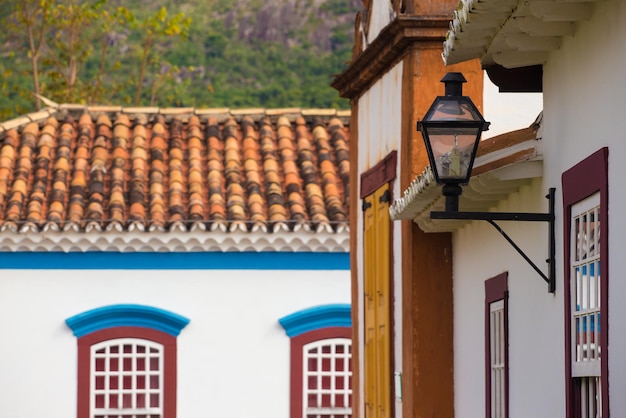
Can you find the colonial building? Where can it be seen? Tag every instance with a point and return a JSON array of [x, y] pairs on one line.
[[511, 345], [163, 262], [401, 277]]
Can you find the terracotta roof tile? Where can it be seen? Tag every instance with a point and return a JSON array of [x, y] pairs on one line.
[[330, 180], [274, 194], [196, 195], [137, 178], [8, 155], [60, 172], [293, 181], [103, 168], [215, 173]]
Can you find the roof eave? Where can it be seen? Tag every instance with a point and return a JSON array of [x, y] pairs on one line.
[[504, 163], [386, 50], [510, 33], [306, 240]]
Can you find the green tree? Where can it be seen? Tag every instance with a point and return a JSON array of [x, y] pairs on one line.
[[34, 16], [145, 52], [64, 37], [69, 45], [155, 28]]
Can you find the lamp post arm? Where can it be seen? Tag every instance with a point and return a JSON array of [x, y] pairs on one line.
[[491, 217], [519, 250]]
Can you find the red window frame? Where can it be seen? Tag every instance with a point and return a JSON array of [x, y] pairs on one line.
[[297, 365], [169, 364], [496, 289], [579, 182]]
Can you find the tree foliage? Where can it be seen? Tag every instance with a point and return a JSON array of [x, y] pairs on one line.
[[141, 53]]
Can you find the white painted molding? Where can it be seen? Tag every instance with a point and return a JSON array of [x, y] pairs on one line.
[[178, 241]]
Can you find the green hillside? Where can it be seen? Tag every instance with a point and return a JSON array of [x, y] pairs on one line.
[[200, 53]]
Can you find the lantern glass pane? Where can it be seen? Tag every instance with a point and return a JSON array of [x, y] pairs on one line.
[[453, 109], [452, 150]]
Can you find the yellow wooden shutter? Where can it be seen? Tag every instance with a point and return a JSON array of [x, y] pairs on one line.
[[369, 252], [377, 304]]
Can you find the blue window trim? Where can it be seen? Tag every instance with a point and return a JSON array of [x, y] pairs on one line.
[[317, 317], [126, 315], [175, 261]]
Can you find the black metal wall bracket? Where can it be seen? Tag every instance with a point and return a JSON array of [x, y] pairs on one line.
[[491, 217]]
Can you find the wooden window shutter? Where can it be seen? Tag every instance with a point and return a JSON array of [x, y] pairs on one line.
[[377, 304]]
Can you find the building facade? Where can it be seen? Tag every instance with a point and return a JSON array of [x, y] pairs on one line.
[[520, 350], [163, 262], [400, 276]]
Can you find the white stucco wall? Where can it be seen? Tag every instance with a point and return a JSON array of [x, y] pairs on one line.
[[583, 95], [535, 316], [380, 122], [380, 119], [381, 15], [508, 111], [584, 91], [233, 357]]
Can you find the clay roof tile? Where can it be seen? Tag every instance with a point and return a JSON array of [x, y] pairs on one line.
[[115, 169]]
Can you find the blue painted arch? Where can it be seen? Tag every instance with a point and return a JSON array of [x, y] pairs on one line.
[[317, 317], [126, 315]]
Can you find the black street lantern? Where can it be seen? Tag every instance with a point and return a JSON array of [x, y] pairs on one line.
[[451, 129]]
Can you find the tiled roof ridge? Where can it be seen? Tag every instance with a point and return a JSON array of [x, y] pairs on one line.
[[220, 114], [74, 168]]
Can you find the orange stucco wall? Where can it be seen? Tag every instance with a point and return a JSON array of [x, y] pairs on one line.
[[427, 328], [431, 7], [425, 259], [423, 82]]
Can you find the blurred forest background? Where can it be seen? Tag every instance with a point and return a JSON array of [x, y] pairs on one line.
[[200, 53]]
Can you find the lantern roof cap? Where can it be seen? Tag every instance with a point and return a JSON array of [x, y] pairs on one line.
[[454, 77]]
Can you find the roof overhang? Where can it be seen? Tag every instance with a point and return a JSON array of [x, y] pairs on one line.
[[503, 164], [387, 49], [511, 33], [323, 239]]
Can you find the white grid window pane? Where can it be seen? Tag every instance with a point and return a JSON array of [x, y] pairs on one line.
[[497, 362], [126, 379], [327, 386], [585, 291], [585, 287]]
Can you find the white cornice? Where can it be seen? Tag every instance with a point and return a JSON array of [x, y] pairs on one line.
[[216, 241], [483, 193], [504, 164], [511, 33]]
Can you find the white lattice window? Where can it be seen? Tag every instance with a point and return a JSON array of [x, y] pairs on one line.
[[586, 304], [127, 379], [497, 358], [327, 379]]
